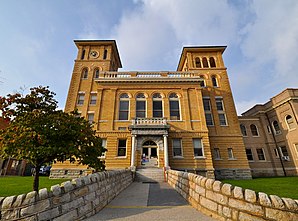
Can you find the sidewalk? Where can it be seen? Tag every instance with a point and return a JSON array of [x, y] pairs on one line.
[[144, 202]]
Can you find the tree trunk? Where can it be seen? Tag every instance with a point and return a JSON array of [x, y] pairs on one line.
[[36, 179]]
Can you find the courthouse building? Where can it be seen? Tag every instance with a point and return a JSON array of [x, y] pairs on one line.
[[270, 135], [184, 119]]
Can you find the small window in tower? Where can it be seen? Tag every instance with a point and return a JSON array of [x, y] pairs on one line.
[[214, 81], [198, 63], [85, 73], [212, 62], [205, 62], [83, 55], [96, 73], [105, 54], [202, 82], [290, 122]]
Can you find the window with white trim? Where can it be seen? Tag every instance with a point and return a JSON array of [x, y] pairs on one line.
[[157, 105], [198, 62], [104, 145], [230, 153], [174, 106], [202, 82], [141, 105], [121, 148], [177, 147], [261, 154], [290, 122], [90, 117], [254, 130], [221, 111], [284, 151], [123, 107], [81, 97], [93, 98], [249, 154], [208, 112], [276, 127], [214, 81], [198, 147], [217, 154]]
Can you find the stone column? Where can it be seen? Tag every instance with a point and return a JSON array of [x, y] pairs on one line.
[[133, 150], [165, 150]]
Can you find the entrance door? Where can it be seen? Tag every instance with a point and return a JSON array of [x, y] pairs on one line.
[[150, 154]]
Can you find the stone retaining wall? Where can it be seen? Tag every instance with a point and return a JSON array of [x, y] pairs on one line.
[[226, 202], [71, 200]]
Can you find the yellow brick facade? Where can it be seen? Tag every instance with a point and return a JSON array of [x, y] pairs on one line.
[[172, 107]]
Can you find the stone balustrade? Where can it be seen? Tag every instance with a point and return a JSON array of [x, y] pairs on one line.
[[149, 121], [71, 200], [226, 202], [174, 74]]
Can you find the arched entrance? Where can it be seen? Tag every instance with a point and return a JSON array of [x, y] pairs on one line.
[[150, 154]]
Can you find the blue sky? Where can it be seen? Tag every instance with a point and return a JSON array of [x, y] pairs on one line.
[[36, 40]]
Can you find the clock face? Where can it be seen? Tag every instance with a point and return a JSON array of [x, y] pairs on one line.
[[94, 54]]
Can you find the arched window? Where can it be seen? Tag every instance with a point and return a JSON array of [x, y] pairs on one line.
[[105, 54], [85, 73], [205, 62], [123, 106], [276, 127], [254, 130], [141, 105], [214, 81], [243, 130], [198, 63], [157, 105], [96, 73], [174, 107], [83, 54], [202, 83], [290, 122], [212, 62]]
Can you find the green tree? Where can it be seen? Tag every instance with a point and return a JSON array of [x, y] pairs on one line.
[[41, 134]]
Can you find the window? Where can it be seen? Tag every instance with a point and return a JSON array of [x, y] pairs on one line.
[[214, 81], [96, 73], [221, 111], [268, 129], [104, 145], [254, 130], [296, 146], [141, 105], [83, 55], [198, 148], [90, 118], [276, 152], [284, 151], [105, 54], [85, 73], [290, 122], [208, 113], [122, 148], [276, 127], [261, 155], [230, 153], [217, 154], [93, 98], [205, 62], [198, 63], [243, 130], [177, 148], [174, 107], [202, 83], [249, 154], [157, 105], [212, 62], [124, 107], [81, 97]]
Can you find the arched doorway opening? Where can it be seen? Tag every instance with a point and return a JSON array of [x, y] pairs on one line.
[[150, 154]]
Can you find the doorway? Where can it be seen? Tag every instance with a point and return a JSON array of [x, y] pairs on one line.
[[150, 154]]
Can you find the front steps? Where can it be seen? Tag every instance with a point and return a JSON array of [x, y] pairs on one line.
[[148, 175]]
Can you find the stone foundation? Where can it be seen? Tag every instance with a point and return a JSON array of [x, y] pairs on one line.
[[72, 200], [226, 202], [235, 174]]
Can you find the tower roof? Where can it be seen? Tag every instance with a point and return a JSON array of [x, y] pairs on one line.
[[197, 49], [101, 42]]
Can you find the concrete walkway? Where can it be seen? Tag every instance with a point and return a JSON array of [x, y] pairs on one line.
[[154, 201]]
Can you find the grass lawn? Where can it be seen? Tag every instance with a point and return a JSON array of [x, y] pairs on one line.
[[280, 186], [16, 185]]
